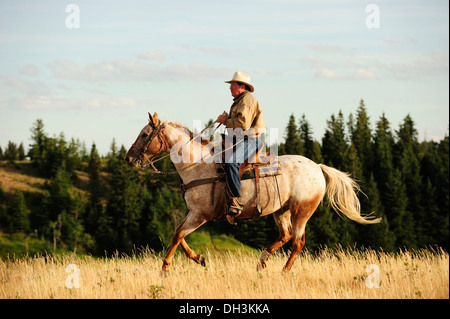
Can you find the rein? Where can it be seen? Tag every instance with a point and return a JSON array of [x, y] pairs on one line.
[[156, 132]]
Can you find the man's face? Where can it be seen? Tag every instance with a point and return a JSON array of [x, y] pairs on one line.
[[236, 89]]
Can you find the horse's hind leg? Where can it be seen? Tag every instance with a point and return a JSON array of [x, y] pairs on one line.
[[301, 212], [283, 221], [189, 224]]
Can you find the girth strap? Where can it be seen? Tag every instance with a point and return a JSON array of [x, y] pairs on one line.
[[203, 181]]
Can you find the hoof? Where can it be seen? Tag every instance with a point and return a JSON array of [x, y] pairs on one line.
[[260, 266], [164, 273], [201, 260], [231, 220], [262, 260]]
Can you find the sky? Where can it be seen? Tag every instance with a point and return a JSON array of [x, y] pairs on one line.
[[92, 69]]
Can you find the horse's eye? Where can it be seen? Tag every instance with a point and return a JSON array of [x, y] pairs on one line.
[[144, 135]]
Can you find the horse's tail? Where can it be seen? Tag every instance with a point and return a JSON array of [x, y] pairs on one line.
[[341, 190]]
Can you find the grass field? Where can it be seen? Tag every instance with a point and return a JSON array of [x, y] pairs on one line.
[[334, 275]]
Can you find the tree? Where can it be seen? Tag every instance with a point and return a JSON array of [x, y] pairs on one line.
[[96, 192], [72, 157], [334, 144], [378, 235], [401, 220], [305, 131], [21, 152], [383, 146], [36, 149], [18, 212], [361, 137], [124, 204], [11, 152], [293, 144]]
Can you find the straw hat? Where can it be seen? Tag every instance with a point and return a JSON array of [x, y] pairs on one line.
[[242, 78]]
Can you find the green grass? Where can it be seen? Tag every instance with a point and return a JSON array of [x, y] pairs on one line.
[[19, 245], [200, 241]]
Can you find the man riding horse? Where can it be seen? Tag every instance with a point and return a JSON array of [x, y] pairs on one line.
[[245, 127]]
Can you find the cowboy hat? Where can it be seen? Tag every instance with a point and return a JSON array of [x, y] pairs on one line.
[[242, 78]]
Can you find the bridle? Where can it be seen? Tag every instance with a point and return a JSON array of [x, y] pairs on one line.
[[156, 132]]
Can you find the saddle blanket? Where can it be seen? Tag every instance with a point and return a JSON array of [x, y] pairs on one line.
[[265, 170]]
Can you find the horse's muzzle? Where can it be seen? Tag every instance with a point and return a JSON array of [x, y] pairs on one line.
[[132, 161]]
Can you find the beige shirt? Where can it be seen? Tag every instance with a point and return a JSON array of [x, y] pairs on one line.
[[245, 113]]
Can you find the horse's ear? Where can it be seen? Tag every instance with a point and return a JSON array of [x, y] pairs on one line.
[[153, 119]]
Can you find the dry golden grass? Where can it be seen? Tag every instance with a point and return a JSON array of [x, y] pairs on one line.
[[230, 275], [11, 178]]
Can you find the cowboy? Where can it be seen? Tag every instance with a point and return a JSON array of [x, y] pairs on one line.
[[245, 126]]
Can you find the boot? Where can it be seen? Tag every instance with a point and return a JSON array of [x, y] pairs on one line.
[[234, 209]]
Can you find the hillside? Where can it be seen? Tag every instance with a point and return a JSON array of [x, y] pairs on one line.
[[21, 176]]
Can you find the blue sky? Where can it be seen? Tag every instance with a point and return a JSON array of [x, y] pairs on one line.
[[97, 82]]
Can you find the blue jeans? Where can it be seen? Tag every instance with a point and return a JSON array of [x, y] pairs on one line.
[[244, 149]]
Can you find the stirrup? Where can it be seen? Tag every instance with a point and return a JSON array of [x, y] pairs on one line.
[[234, 209]]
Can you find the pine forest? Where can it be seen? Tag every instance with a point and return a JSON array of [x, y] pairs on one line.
[[76, 200]]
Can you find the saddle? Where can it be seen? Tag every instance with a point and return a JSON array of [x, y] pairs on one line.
[[262, 164], [265, 164]]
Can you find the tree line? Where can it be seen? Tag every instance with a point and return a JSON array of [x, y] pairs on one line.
[[404, 181]]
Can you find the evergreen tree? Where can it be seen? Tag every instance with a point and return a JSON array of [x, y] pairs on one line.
[[293, 144], [18, 212], [334, 144], [322, 229], [410, 171], [378, 235], [354, 166], [306, 137], [124, 204], [383, 165], [113, 160], [72, 229], [434, 194], [361, 137], [36, 150], [401, 221], [72, 157], [316, 154], [56, 200], [11, 152], [96, 192], [21, 152]]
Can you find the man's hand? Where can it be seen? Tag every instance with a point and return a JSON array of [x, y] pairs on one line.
[[222, 118]]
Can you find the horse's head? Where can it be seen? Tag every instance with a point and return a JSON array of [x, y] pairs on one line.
[[149, 142]]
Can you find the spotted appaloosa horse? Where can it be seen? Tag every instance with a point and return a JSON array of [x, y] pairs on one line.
[[302, 186]]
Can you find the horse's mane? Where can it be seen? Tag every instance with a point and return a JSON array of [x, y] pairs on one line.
[[204, 141]]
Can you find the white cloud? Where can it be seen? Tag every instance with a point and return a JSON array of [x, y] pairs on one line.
[[430, 64], [50, 103], [31, 88], [29, 70], [128, 70], [361, 67], [154, 55], [357, 74], [327, 74]]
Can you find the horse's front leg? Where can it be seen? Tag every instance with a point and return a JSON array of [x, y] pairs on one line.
[[192, 221]]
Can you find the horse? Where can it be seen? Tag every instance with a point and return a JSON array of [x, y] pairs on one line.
[[292, 196]]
